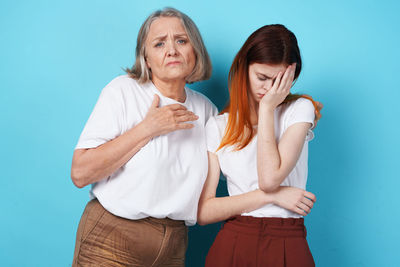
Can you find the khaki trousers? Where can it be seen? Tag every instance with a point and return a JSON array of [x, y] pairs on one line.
[[104, 239]]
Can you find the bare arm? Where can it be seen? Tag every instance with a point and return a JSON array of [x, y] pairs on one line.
[[94, 164], [214, 209], [276, 161]]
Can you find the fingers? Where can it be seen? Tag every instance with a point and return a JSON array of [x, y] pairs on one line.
[[299, 211], [180, 112], [277, 82], [310, 196], [304, 207], [169, 118], [156, 101], [175, 107], [186, 116], [287, 79], [307, 202], [319, 105], [173, 118], [184, 126]]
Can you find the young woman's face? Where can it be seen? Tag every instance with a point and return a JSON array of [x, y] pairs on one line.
[[169, 54], [262, 77]]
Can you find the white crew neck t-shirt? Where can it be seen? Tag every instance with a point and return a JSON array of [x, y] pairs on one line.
[[240, 167], [165, 177]]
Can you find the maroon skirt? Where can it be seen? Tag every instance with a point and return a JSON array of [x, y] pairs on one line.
[[251, 241]]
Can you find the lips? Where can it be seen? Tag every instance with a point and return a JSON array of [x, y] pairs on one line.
[[173, 63]]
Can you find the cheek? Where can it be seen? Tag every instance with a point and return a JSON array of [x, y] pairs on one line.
[[268, 84], [190, 56], [257, 84], [153, 59]]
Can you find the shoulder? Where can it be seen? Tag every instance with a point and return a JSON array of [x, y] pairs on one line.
[[222, 119], [297, 107], [219, 121], [301, 110], [215, 128], [123, 82], [199, 98], [302, 104], [122, 86]]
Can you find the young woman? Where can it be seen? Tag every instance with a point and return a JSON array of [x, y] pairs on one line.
[[260, 142]]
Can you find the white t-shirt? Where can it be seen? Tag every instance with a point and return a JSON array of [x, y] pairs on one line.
[[240, 167], [165, 177]]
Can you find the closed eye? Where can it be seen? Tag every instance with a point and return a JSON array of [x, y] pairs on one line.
[[263, 78]]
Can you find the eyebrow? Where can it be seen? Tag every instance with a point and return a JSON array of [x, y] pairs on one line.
[[163, 37], [264, 75]]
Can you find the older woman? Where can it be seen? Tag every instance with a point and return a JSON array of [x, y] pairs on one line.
[[143, 150]]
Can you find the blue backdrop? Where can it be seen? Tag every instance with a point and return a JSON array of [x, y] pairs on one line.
[[56, 56]]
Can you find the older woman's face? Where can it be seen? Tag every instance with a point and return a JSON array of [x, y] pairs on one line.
[[169, 54]]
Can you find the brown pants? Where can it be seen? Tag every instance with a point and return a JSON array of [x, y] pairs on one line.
[[249, 241], [104, 239]]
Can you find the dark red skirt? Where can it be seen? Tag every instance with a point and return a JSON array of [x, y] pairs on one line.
[[250, 241]]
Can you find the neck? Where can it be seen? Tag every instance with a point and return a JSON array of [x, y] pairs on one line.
[[174, 89]]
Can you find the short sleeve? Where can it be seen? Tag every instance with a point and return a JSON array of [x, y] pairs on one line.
[[213, 136], [211, 110], [103, 124], [302, 110]]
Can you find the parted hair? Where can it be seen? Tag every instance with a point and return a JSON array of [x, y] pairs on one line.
[[202, 69]]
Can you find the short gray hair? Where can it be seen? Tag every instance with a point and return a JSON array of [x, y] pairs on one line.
[[202, 69]]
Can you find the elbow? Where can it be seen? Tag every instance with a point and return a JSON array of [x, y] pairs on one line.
[[77, 178], [268, 186], [201, 218], [79, 170], [201, 221]]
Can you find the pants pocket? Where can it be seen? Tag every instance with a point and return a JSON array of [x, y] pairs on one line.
[[90, 218]]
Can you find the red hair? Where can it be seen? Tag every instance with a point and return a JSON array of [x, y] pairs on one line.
[[271, 44]]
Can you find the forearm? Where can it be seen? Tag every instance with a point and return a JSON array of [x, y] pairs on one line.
[[268, 157], [93, 165], [221, 208]]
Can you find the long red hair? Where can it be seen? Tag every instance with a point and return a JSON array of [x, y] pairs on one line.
[[271, 44]]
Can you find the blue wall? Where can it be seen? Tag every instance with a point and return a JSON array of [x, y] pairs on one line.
[[56, 56]]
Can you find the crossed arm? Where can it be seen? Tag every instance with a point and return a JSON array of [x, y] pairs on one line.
[[214, 209], [274, 163]]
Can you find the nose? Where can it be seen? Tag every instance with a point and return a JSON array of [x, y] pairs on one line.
[[171, 48], [267, 85]]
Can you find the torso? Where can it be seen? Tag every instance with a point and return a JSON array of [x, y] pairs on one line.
[[163, 179], [240, 167]]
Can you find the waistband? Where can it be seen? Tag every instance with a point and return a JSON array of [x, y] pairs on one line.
[[164, 221], [283, 227]]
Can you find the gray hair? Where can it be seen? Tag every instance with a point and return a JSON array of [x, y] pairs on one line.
[[202, 69]]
